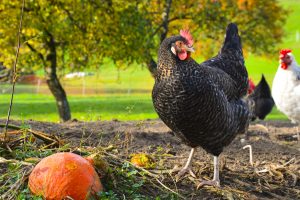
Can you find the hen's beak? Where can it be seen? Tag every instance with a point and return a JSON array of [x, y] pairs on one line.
[[175, 48], [190, 49]]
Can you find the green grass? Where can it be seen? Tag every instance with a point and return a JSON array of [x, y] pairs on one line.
[[110, 77], [292, 25], [268, 65], [106, 107]]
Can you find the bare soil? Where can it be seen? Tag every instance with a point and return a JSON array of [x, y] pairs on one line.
[[276, 153]]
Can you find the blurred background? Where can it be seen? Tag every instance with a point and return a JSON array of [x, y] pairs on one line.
[[96, 60]]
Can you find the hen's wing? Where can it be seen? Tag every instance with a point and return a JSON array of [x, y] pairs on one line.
[[215, 119], [230, 60]]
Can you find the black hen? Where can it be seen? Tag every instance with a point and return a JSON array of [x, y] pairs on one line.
[[202, 103], [263, 101]]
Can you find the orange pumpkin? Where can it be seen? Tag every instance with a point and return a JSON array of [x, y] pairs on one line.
[[64, 175]]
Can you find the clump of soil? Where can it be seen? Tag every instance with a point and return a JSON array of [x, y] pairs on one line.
[[274, 175]]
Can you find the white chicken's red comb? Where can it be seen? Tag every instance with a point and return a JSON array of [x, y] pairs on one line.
[[188, 36], [283, 52]]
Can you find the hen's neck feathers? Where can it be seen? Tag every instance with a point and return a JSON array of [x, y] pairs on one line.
[[167, 61], [295, 66]]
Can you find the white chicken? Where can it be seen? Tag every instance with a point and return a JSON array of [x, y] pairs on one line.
[[286, 86]]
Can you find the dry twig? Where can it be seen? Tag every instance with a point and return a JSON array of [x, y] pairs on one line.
[[15, 70], [50, 141]]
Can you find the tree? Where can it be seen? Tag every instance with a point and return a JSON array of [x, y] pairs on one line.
[[50, 31], [46, 31], [260, 23], [71, 33], [79, 33]]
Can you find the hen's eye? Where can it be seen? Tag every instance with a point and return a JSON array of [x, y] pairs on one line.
[[179, 43]]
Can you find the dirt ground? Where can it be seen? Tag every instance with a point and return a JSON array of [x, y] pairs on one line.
[[276, 155]]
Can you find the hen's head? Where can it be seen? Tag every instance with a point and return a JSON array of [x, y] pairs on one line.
[[183, 45], [286, 58]]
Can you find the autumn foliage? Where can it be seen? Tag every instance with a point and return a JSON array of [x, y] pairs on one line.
[[78, 34]]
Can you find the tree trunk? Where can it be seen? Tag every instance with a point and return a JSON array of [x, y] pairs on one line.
[[165, 20], [54, 84], [151, 64], [152, 67]]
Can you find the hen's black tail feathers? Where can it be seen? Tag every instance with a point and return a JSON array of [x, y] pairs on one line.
[[262, 90], [232, 39], [262, 99]]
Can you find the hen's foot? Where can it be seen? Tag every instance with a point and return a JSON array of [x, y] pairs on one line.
[[187, 167], [216, 180], [184, 171], [214, 183]]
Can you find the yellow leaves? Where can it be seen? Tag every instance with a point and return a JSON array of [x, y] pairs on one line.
[[241, 4], [224, 5], [207, 47], [246, 4], [30, 32], [7, 59], [142, 160]]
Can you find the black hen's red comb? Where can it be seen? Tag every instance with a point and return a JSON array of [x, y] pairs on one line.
[[188, 36]]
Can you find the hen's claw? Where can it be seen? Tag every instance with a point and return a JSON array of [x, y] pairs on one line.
[[216, 180], [184, 171], [187, 167]]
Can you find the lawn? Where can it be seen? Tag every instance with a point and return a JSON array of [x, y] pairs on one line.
[[105, 107], [88, 108], [125, 94], [268, 65]]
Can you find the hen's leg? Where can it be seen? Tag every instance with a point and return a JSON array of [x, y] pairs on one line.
[[250, 154], [216, 180], [187, 167]]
